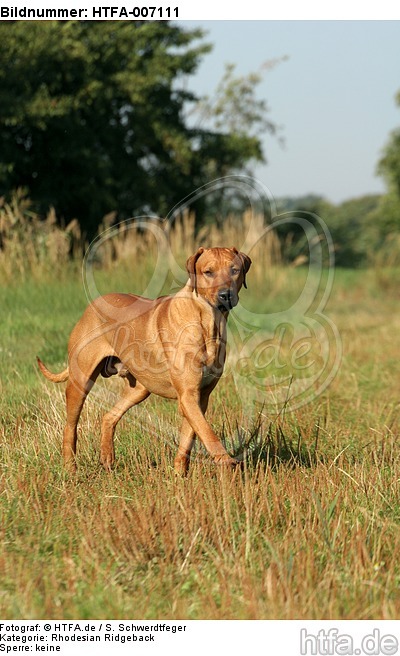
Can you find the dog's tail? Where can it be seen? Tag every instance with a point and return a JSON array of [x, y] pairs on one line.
[[55, 378]]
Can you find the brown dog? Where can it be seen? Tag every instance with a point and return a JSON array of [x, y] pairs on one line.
[[173, 346]]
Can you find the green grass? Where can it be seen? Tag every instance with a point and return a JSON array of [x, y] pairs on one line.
[[308, 529]]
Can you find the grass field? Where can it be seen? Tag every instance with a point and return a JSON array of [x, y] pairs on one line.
[[309, 529]]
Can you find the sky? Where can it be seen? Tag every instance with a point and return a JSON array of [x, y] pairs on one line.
[[334, 98]]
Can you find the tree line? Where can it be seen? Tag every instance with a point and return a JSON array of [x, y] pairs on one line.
[[99, 116]]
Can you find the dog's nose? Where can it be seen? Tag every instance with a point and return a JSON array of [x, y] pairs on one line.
[[225, 297]]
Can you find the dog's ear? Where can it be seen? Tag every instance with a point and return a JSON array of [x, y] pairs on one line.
[[191, 268], [246, 263]]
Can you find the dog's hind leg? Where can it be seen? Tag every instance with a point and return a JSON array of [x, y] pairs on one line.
[[78, 387], [75, 393], [134, 393], [186, 441]]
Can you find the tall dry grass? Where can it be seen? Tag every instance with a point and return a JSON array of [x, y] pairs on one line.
[[280, 539], [309, 528], [148, 238], [31, 245], [35, 246]]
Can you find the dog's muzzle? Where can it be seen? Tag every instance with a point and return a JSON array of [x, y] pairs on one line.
[[227, 299]]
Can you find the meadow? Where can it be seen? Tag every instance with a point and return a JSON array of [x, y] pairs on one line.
[[308, 527]]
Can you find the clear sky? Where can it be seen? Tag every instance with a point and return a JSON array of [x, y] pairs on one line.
[[333, 97]]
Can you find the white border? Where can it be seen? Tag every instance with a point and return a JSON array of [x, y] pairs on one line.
[[210, 10], [294, 637]]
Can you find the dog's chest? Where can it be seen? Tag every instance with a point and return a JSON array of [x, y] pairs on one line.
[[214, 360]]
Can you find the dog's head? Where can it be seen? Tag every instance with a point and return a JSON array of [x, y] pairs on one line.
[[217, 275]]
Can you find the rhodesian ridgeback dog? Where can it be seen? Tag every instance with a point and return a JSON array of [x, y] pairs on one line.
[[173, 346]]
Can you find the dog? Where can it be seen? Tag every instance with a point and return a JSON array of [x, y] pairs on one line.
[[173, 346]]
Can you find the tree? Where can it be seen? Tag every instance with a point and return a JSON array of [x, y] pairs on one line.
[[93, 118], [389, 168], [352, 226], [389, 165], [238, 119]]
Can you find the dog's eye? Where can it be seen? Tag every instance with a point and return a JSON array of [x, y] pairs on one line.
[[235, 271], [209, 273]]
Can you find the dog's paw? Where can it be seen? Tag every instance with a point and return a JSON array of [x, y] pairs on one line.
[[226, 460], [107, 459], [181, 465]]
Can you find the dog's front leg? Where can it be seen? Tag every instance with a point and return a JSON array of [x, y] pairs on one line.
[[186, 439], [190, 407]]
